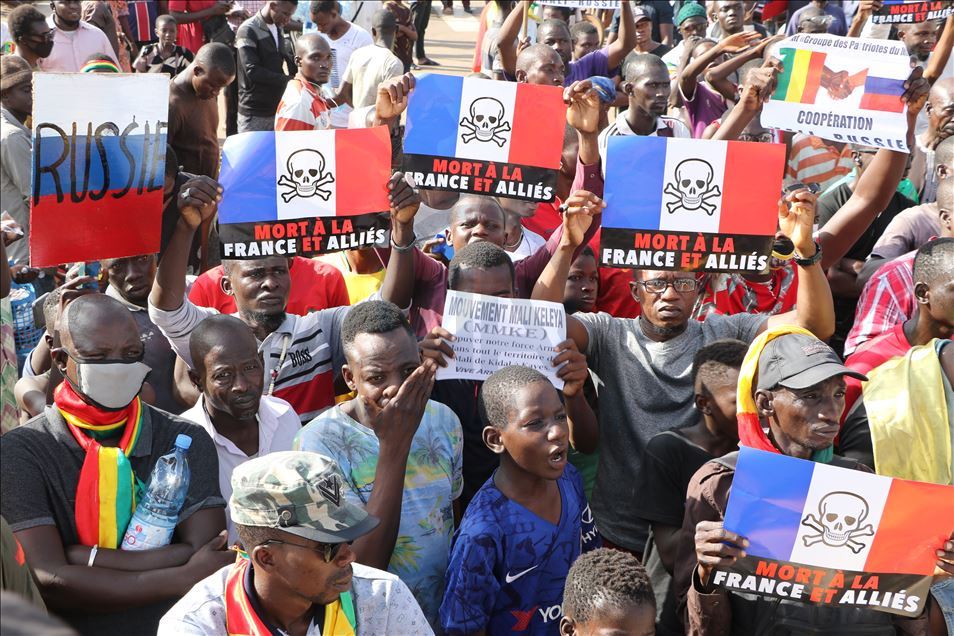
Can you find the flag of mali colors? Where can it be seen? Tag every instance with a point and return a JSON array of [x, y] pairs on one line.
[[801, 75]]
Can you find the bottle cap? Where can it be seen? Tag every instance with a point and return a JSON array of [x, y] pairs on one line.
[[183, 441]]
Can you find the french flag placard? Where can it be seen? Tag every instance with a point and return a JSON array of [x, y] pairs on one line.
[[304, 192], [690, 204], [485, 137], [836, 536], [99, 151]]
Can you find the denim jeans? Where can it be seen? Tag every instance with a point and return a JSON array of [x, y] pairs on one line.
[[943, 592]]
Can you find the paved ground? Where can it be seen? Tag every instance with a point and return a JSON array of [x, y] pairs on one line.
[[450, 39]]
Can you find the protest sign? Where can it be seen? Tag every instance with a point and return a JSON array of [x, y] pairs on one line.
[[584, 4], [834, 536], [485, 137], [304, 192], [690, 204], [493, 333], [99, 152], [912, 11], [843, 89]]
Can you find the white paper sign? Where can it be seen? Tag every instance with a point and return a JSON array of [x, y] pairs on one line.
[[584, 4], [843, 89], [493, 333]]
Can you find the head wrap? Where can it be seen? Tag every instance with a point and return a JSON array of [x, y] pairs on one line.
[[99, 66]]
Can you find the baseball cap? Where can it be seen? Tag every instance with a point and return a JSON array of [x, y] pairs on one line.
[[692, 10], [297, 492], [797, 361], [14, 70], [640, 13], [605, 88]]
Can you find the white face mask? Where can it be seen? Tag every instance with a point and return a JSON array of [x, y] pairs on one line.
[[110, 384]]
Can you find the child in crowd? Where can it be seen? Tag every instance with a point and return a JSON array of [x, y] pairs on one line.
[[608, 593], [529, 521], [164, 56]]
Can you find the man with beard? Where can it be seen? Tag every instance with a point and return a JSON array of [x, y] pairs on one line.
[[301, 353], [919, 38], [31, 34], [75, 41], [68, 520]]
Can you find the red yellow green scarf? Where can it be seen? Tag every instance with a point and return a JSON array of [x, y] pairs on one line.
[[242, 620], [750, 428], [106, 493]]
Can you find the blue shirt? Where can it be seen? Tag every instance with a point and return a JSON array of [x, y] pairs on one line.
[[508, 566]]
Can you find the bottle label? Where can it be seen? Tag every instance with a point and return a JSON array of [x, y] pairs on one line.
[[146, 536]]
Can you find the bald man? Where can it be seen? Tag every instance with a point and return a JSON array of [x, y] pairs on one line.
[[69, 534], [302, 106], [540, 64], [241, 421], [194, 111], [940, 120]]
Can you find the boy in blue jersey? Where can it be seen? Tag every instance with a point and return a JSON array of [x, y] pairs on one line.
[[527, 524]]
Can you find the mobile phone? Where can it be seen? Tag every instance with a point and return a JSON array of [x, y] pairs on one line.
[[39, 318], [814, 188]]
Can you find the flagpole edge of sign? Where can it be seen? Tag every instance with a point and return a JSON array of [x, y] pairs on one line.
[[80, 210]]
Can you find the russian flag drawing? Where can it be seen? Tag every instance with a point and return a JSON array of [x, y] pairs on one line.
[[279, 176], [883, 93], [805, 512], [99, 146], [693, 185]]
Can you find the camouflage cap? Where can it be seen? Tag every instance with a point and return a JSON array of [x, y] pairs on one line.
[[297, 492]]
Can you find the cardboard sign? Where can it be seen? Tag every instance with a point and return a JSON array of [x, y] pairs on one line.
[[843, 89], [485, 137], [493, 333], [99, 152], [834, 536], [912, 11], [690, 204], [304, 192]]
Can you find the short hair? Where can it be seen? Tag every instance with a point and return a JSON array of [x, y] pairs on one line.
[[373, 317], [566, 11], [165, 17], [477, 255], [382, 18], [932, 263], [325, 6], [306, 41], [252, 536], [553, 23], [214, 330], [636, 65], [480, 199], [94, 308], [582, 28], [586, 251], [51, 304], [944, 153], [531, 54], [713, 360], [602, 580], [218, 56], [21, 19], [495, 400]]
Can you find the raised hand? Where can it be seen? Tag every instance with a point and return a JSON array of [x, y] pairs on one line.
[[392, 96], [435, 346], [583, 106], [716, 547], [404, 199], [396, 416], [579, 210], [759, 85], [574, 371], [197, 200], [796, 217], [739, 41]]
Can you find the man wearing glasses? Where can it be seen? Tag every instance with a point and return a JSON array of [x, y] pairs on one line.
[[296, 574], [32, 36]]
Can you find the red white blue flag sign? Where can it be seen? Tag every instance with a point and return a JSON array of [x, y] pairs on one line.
[[99, 148], [911, 11], [690, 204], [304, 192], [834, 536], [485, 137]]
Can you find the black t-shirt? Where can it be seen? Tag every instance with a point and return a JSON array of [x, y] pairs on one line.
[[834, 200], [40, 465], [669, 462]]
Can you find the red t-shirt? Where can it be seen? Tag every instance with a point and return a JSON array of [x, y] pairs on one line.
[[314, 286], [870, 355], [189, 35]]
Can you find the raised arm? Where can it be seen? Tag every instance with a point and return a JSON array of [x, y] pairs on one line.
[[874, 188], [398, 284], [626, 40], [735, 43], [942, 52], [717, 77], [583, 114], [197, 201], [507, 38], [757, 89]]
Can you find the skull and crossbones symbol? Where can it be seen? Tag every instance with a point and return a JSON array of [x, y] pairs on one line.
[[306, 175], [485, 122], [839, 521], [693, 187]]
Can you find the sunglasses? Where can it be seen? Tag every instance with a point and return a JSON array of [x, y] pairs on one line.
[[328, 551], [660, 285]]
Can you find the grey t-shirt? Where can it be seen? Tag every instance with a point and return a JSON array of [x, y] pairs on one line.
[[40, 465], [647, 390]]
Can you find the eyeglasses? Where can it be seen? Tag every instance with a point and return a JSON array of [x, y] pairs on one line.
[[660, 285], [328, 551], [46, 35], [763, 138]]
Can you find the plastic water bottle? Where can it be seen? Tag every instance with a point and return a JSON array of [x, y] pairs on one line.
[[156, 515]]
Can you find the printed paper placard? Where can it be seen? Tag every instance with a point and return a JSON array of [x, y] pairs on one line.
[[912, 11], [843, 89], [99, 152], [834, 536], [304, 192], [485, 137], [584, 4], [493, 333], [690, 204]]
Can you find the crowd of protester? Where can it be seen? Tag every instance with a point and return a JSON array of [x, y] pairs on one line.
[[336, 486]]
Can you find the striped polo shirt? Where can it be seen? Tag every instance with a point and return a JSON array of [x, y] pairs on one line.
[[812, 160], [312, 345]]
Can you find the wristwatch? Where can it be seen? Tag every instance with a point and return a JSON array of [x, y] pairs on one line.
[[808, 262]]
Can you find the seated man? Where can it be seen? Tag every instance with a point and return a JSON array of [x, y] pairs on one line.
[[295, 573], [608, 592], [241, 421], [301, 353], [794, 370], [400, 453], [69, 527]]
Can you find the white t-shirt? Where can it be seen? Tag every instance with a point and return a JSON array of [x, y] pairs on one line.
[[368, 67], [341, 49], [274, 31]]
